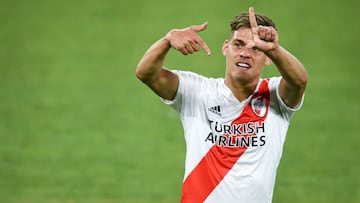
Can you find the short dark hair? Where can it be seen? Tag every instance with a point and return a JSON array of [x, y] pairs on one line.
[[242, 20]]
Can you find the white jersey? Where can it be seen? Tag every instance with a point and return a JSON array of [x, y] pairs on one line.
[[233, 148]]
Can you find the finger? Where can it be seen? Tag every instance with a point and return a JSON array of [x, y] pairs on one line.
[[204, 46], [261, 32], [273, 35], [268, 35], [195, 46], [199, 28], [189, 48], [252, 18], [184, 51], [264, 33]]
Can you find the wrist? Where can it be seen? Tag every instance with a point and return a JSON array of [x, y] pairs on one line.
[[164, 42], [166, 39], [275, 52], [169, 35]]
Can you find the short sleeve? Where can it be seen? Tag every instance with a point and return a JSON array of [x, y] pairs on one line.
[[188, 92], [286, 110]]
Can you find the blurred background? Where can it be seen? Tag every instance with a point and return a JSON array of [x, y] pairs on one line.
[[77, 126]]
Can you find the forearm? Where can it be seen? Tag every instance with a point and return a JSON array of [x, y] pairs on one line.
[[290, 68], [152, 61]]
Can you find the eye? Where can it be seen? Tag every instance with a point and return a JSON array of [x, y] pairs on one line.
[[255, 49], [238, 45]]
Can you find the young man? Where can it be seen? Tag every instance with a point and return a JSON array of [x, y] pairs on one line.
[[234, 127]]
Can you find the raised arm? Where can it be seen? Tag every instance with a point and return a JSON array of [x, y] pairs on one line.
[[150, 69], [294, 76]]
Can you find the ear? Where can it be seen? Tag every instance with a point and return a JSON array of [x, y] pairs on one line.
[[268, 61], [225, 47]]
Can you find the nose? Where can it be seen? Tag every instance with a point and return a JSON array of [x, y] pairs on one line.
[[245, 53]]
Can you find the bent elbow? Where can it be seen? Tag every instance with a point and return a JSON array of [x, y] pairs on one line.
[[299, 80], [302, 82], [143, 74], [139, 73]]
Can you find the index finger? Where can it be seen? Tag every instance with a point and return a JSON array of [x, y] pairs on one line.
[[204, 46], [252, 18]]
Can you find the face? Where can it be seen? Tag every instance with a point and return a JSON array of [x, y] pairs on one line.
[[243, 64]]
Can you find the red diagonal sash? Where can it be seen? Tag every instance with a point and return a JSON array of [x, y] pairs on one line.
[[219, 160]]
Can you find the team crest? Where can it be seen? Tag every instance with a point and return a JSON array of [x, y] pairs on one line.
[[258, 106]]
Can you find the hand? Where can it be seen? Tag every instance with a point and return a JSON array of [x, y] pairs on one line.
[[265, 38], [187, 40]]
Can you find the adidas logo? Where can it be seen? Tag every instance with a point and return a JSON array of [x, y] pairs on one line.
[[215, 110]]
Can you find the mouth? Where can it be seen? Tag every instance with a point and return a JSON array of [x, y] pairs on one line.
[[243, 65]]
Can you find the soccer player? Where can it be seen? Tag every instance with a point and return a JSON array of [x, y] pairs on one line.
[[235, 126]]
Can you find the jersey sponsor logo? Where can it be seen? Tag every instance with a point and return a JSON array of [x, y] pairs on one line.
[[237, 135]]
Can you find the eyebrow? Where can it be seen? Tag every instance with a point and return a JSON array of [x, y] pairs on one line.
[[238, 40]]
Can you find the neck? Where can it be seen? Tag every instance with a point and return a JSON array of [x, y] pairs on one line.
[[241, 90]]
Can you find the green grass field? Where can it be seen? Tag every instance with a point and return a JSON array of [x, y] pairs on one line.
[[76, 125]]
